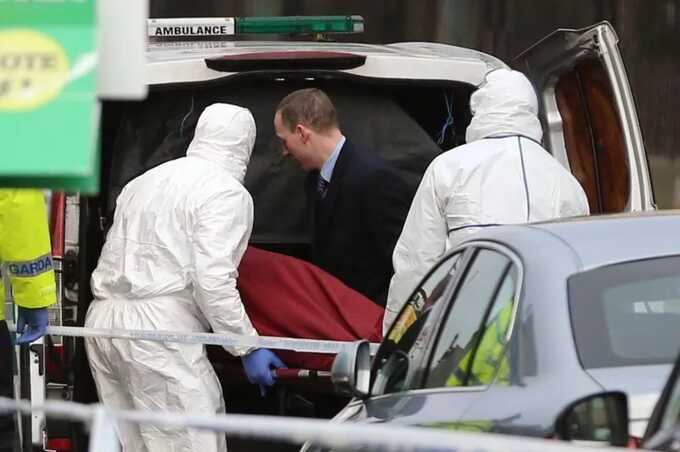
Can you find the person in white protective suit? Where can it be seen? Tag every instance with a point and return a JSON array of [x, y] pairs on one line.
[[170, 263], [501, 176]]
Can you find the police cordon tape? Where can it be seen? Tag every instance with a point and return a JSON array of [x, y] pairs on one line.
[[225, 340], [299, 430]]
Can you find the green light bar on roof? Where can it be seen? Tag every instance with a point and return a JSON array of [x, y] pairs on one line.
[[300, 24], [229, 26]]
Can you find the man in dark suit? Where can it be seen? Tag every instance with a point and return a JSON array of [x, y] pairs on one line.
[[358, 202]]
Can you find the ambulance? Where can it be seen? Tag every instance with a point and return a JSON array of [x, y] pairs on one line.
[[406, 101]]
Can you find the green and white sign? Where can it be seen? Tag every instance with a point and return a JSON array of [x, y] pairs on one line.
[[49, 114]]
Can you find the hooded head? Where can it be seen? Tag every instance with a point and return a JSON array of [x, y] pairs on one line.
[[505, 104], [225, 135]]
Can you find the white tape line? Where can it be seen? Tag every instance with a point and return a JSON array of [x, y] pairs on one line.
[[321, 432], [225, 340]]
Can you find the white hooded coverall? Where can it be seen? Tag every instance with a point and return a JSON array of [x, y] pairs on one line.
[[501, 176], [170, 263]]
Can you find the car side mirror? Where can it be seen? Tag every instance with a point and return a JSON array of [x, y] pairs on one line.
[[351, 371], [599, 418]]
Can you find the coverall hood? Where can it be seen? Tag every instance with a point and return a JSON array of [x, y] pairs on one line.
[[225, 135], [505, 104]]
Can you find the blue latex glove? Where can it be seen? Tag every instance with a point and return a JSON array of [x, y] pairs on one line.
[[33, 321], [258, 365]]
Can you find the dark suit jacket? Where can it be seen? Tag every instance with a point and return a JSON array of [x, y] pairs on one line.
[[356, 225]]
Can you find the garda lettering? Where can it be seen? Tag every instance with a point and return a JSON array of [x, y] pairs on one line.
[[198, 30], [31, 268]]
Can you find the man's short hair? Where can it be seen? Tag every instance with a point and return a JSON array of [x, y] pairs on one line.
[[309, 106]]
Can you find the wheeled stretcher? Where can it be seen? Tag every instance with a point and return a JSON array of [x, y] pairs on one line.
[[288, 297]]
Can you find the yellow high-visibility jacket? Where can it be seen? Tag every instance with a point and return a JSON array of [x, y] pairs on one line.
[[490, 357], [25, 252]]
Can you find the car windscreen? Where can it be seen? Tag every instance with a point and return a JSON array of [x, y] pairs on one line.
[[627, 314]]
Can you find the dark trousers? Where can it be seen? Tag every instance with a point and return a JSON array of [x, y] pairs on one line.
[[8, 431]]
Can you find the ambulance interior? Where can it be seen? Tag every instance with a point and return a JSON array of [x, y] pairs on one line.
[[401, 120]]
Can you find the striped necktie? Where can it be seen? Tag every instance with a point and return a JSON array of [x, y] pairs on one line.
[[321, 187]]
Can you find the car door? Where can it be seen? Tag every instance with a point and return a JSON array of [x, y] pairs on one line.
[[398, 362], [472, 353], [589, 117], [414, 377]]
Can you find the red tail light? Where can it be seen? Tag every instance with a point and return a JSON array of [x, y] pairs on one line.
[[289, 60], [57, 210], [634, 442], [60, 444]]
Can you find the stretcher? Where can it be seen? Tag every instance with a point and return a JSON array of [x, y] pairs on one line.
[[288, 297]]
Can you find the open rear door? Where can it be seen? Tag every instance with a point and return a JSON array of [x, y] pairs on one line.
[[589, 118]]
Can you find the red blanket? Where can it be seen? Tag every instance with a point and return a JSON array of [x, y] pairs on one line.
[[289, 297]]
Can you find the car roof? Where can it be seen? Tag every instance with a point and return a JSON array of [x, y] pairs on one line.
[[599, 240], [171, 62]]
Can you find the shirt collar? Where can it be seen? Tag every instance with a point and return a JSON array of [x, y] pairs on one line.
[[328, 166]]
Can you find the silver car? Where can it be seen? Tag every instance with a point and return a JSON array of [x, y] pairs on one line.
[[520, 321]]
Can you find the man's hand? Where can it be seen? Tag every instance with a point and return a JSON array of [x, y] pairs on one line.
[[258, 365], [33, 321]]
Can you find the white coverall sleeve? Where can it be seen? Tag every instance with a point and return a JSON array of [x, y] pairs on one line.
[[221, 231], [421, 244]]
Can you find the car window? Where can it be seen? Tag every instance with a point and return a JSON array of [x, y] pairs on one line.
[[613, 310], [403, 348], [471, 345]]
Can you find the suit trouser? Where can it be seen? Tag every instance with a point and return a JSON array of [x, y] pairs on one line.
[[8, 431]]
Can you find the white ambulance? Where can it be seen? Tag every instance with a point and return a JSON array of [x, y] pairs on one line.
[[407, 101]]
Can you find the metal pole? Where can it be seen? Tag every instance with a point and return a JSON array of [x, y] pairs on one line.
[[25, 391]]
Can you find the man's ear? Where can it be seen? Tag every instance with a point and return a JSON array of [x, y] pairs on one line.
[[303, 132]]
